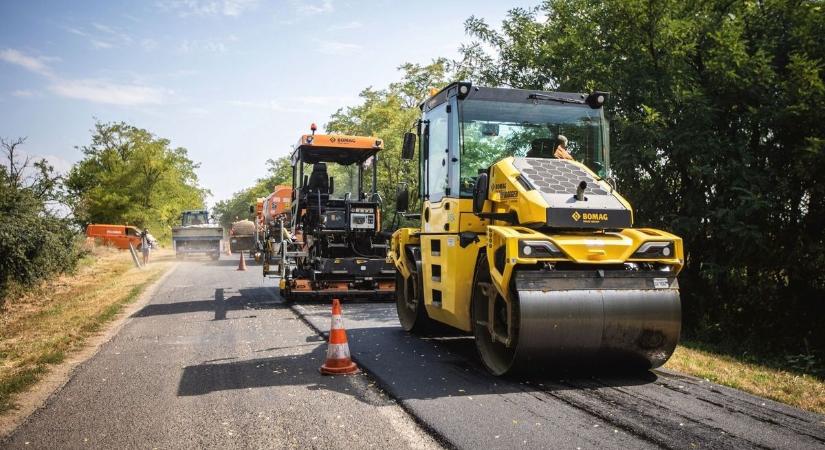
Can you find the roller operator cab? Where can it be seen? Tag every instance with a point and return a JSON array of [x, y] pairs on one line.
[[524, 240], [336, 248]]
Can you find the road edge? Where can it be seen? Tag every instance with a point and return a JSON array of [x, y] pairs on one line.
[[60, 374]]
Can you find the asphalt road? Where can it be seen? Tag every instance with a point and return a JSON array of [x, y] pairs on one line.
[[216, 360], [441, 381], [213, 362]]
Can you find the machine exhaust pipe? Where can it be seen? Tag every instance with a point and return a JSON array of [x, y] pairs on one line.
[[580, 191]]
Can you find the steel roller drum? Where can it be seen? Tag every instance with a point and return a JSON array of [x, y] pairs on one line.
[[616, 322]]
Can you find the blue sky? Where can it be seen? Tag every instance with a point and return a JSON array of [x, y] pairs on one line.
[[234, 81]]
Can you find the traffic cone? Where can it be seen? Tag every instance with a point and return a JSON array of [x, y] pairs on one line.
[[338, 358], [242, 263]]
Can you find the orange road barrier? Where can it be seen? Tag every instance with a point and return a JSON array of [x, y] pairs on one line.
[[338, 360], [242, 263]]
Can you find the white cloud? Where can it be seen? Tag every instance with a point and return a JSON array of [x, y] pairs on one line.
[[76, 31], [31, 63], [101, 91], [25, 93], [148, 44], [214, 45], [93, 90], [311, 9], [103, 28], [338, 48], [237, 7], [102, 36], [354, 25], [205, 46], [187, 8], [100, 44]]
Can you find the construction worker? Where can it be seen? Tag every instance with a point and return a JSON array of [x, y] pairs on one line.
[[561, 148], [145, 245]]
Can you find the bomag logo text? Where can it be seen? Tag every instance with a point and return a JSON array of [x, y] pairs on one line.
[[342, 140], [500, 187], [589, 217]]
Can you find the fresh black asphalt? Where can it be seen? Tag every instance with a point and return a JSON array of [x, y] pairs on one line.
[[440, 380]]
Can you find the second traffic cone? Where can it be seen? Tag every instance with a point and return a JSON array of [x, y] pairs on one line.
[[242, 263], [338, 360]]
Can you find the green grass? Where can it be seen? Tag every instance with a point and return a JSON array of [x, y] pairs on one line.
[[783, 384], [45, 325]]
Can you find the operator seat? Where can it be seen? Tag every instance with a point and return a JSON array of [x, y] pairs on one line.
[[316, 192], [318, 179]]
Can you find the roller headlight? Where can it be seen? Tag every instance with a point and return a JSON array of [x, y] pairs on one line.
[[539, 249], [655, 250]]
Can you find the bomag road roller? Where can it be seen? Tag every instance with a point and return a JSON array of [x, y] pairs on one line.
[[525, 242], [336, 248]]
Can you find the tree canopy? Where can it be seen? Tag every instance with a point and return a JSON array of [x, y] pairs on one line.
[[717, 137], [129, 175]]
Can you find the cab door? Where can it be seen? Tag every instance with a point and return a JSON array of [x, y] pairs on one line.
[[439, 224]]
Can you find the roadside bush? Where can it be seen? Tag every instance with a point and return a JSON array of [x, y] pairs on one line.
[[34, 242]]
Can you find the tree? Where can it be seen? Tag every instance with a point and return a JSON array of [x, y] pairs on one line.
[[128, 175], [388, 114], [716, 136]]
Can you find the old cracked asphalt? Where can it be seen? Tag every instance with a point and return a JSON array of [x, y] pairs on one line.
[[213, 361]]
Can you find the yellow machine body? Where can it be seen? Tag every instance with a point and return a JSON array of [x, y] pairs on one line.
[[589, 286]]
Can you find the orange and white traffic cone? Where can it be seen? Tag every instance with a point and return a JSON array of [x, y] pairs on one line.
[[242, 263], [338, 360]]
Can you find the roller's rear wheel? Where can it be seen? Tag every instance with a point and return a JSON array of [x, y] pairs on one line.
[[410, 304], [498, 358]]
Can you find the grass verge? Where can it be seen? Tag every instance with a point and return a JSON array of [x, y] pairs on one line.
[[43, 326], [801, 390]]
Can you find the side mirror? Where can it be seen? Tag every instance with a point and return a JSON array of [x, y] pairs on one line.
[[480, 192], [331, 185], [402, 198], [408, 149], [251, 209]]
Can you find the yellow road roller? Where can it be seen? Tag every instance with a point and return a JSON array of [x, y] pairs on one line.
[[523, 239]]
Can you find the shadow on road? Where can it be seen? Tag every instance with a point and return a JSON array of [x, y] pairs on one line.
[[289, 370], [224, 300]]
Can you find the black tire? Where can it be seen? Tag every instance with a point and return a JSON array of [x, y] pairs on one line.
[[410, 304], [497, 358]]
